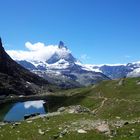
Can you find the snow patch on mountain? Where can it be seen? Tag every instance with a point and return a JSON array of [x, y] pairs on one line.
[[134, 73], [88, 67], [93, 68], [61, 64]]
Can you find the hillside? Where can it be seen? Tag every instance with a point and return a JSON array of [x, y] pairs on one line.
[[15, 79], [109, 110]]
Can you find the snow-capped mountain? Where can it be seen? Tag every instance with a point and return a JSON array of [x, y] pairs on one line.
[[118, 70], [62, 54], [63, 69], [113, 71], [58, 66]]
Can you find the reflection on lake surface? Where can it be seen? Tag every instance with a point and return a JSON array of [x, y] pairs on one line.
[[17, 111]]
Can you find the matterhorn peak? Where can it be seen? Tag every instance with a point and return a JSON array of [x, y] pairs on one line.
[[62, 45]]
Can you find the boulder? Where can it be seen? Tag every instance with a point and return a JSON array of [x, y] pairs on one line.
[[103, 128], [81, 131]]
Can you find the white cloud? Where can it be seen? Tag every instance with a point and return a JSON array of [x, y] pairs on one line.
[[35, 47], [37, 52], [35, 104], [84, 57]]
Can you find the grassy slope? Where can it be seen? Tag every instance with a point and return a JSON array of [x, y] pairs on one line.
[[108, 100]]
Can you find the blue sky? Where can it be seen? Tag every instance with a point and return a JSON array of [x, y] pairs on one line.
[[97, 31]]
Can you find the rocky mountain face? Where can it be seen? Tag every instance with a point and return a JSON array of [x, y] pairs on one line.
[[15, 79], [63, 69], [115, 72]]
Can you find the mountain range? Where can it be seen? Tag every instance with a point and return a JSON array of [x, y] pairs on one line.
[[119, 71], [63, 69]]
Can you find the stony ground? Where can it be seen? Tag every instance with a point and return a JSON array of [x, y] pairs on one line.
[[71, 123]]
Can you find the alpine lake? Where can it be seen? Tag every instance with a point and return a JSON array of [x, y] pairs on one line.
[[12, 112]]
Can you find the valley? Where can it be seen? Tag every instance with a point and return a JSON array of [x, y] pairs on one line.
[[90, 106]]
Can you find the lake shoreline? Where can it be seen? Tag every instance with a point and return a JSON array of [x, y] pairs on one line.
[[48, 96], [21, 98]]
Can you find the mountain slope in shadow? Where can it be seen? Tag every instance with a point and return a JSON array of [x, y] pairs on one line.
[[14, 79]]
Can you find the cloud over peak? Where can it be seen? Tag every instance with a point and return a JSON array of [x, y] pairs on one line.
[[37, 52], [34, 47]]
